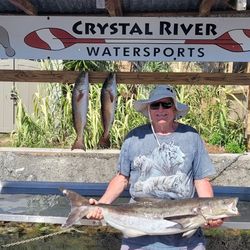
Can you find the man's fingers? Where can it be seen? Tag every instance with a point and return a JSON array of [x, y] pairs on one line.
[[95, 214], [93, 201], [214, 223]]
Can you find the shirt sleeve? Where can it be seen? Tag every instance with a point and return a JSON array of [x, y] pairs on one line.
[[124, 163], [202, 165]]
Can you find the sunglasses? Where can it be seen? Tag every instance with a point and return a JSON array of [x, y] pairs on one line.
[[165, 105]]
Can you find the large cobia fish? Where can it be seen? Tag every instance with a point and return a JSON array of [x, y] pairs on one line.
[[108, 106], [80, 98], [155, 216]]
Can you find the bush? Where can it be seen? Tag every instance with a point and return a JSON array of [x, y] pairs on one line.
[[234, 147]]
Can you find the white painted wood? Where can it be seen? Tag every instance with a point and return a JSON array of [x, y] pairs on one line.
[[6, 104], [25, 90]]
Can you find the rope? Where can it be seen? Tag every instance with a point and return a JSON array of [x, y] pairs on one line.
[[41, 237]]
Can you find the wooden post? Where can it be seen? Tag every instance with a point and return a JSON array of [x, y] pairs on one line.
[[248, 120], [248, 113], [241, 68]]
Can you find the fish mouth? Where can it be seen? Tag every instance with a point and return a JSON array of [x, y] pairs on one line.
[[233, 206]]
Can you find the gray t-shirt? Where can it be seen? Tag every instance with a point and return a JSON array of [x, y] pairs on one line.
[[167, 171]]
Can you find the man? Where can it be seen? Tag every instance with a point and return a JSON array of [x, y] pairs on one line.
[[162, 159]]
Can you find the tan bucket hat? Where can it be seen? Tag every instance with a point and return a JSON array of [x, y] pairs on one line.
[[160, 92]]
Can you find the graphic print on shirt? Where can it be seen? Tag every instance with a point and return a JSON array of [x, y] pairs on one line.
[[161, 173]]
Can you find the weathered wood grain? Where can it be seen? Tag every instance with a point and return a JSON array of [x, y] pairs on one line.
[[128, 77]]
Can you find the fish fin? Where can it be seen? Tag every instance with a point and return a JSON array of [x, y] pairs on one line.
[[104, 142], [190, 223], [111, 96], [80, 96], [76, 200], [74, 216], [78, 144], [189, 233], [172, 224], [180, 217], [130, 233], [127, 230]]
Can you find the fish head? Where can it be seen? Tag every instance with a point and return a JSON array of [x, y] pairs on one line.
[[217, 208]]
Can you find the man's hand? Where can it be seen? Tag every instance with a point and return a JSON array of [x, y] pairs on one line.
[[214, 223], [114, 189], [204, 189], [96, 212]]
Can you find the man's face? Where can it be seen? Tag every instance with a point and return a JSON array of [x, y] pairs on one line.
[[162, 111]]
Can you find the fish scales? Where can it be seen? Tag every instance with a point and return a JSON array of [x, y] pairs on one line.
[[80, 98], [108, 106], [162, 210]]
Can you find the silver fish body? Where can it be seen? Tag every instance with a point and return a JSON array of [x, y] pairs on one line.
[[80, 98], [155, 216], [108, 106]]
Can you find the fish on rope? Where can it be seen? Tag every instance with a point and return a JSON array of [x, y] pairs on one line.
[[108, 107], [80, 99], [149, 216]]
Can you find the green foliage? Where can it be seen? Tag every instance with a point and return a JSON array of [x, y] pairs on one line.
[[126, 117], [90, 65], [210, 115], [235, 147], [51, 123], [216, 138], [155, 67]]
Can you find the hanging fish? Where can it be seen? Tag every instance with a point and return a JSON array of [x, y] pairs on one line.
[[108, 106], [80, 98]]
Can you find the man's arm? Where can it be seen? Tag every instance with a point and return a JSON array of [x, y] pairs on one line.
[[204, 188], [113, 191]]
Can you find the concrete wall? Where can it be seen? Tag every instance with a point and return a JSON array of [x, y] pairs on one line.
[[98, 166]]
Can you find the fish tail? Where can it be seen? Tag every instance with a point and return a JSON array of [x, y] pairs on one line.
[[74, 216], [79, 207], [75, 199], [78, 144], [104, 142]]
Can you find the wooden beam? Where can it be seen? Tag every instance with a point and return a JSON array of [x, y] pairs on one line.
[[226, 13], [248, 118], [26, 6], [128, 77], [175, 14], [205, 7], [114, 7]]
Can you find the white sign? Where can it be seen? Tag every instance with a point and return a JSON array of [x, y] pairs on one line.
[[125, 38]]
